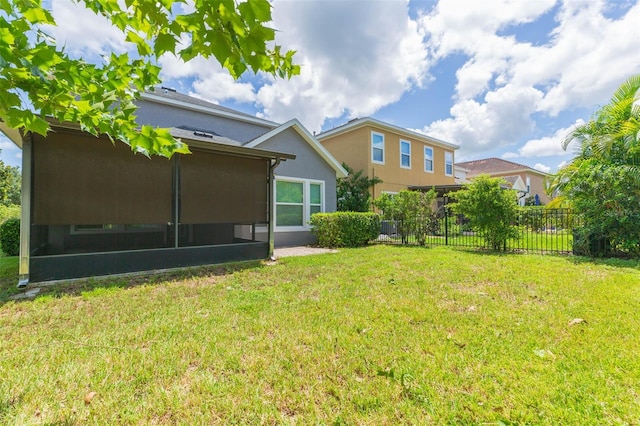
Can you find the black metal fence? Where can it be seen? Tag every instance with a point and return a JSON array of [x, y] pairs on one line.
[[539, 230]]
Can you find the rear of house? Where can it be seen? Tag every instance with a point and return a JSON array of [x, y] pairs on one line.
[[400, 157]]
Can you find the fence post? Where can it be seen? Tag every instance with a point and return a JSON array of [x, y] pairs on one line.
[[446, 221]]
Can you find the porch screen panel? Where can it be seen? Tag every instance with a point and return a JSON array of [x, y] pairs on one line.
[[219, 188], [82, 180]]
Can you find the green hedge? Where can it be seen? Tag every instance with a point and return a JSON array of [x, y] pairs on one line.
[[10, 237], [345, 229], [9, 212]]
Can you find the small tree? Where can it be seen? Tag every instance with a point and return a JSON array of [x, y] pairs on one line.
[[353, 191], [10, 181], [490, 208], [413, 210]]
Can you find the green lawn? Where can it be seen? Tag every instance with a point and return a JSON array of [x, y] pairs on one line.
[[380, 335]]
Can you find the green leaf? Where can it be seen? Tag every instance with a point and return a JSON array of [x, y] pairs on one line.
[[164, 43], [38, 15]]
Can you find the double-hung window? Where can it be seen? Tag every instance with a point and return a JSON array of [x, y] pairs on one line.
[[405, 154], [428, 159], [296, 201], [448, 163], [377, 148]]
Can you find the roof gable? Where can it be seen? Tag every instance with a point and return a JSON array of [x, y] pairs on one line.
[[307, 137], [361, 122]]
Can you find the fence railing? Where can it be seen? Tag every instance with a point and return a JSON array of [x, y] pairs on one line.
[[539, 230]]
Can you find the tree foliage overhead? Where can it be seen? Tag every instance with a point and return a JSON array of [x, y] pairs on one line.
[[38, 79], [353, 191], [490, 209], [602, 182]]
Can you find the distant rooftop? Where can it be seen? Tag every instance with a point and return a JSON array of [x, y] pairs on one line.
[[494, 165]]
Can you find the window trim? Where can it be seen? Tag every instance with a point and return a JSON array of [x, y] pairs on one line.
[[403, 141], [448, 155], [306, 202], [424, 161], [383, 147]]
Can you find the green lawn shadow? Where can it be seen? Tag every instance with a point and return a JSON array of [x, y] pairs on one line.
[[76, 287]]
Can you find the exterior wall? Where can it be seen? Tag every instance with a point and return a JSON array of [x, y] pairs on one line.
[[161, 115], [307, 165], [538, 184], [354, 148]]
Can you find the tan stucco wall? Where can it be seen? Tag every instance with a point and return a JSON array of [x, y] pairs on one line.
[[354, 148]]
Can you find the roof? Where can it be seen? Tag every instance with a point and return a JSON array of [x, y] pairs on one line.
[[307, 137], [203, 136], [360, 122], [171, 97], [495, 165]]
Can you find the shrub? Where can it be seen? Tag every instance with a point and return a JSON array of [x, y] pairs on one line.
[[345, 229], [491, 210], [413, 210], [10, 237], [9, 212]]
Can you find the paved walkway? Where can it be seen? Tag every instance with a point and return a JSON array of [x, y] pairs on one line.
[[300, 251]]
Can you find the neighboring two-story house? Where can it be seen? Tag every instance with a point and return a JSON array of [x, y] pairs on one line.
[[399, 157], [535, 181]]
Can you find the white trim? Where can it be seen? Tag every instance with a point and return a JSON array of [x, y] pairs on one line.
[[448, 153], [200, 108], [424, 158], [353, 124], [306, 202], [308, 137], [401, 154], [373, 133]]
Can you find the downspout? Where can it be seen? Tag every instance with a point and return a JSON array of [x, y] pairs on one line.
[[25, 211], [270, 207]]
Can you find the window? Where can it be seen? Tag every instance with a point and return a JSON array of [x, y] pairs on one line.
[[448, 163], [296, 201], [528, 185], [377, 148], [428, 159], [405, 154]]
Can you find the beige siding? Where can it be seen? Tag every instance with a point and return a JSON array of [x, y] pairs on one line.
[[351, 148], [354, 148]]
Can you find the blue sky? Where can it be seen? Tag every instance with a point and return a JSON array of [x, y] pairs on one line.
[[503, 78]]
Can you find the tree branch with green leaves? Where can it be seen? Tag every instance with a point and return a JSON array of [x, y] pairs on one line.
[[39, 80]]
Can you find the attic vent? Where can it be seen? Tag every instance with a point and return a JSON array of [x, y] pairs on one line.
[[168, 89], [203, 134]]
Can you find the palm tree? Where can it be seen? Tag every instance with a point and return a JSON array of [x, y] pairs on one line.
[[603, 181]]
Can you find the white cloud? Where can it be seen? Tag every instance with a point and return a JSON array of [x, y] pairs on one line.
[[505, 81], [356, 57], [546, 146], [541, 167], [210, 80], [83, 33]]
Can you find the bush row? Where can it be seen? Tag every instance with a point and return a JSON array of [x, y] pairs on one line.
[[345, 229]]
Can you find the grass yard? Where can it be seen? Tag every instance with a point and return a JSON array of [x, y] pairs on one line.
[[380, 335]]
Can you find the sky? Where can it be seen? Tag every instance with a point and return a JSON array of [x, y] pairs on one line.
[[499, 78]]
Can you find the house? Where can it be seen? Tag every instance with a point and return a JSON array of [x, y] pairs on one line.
[[401, 158], [301, 187], [527, 181], [94, 208]]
